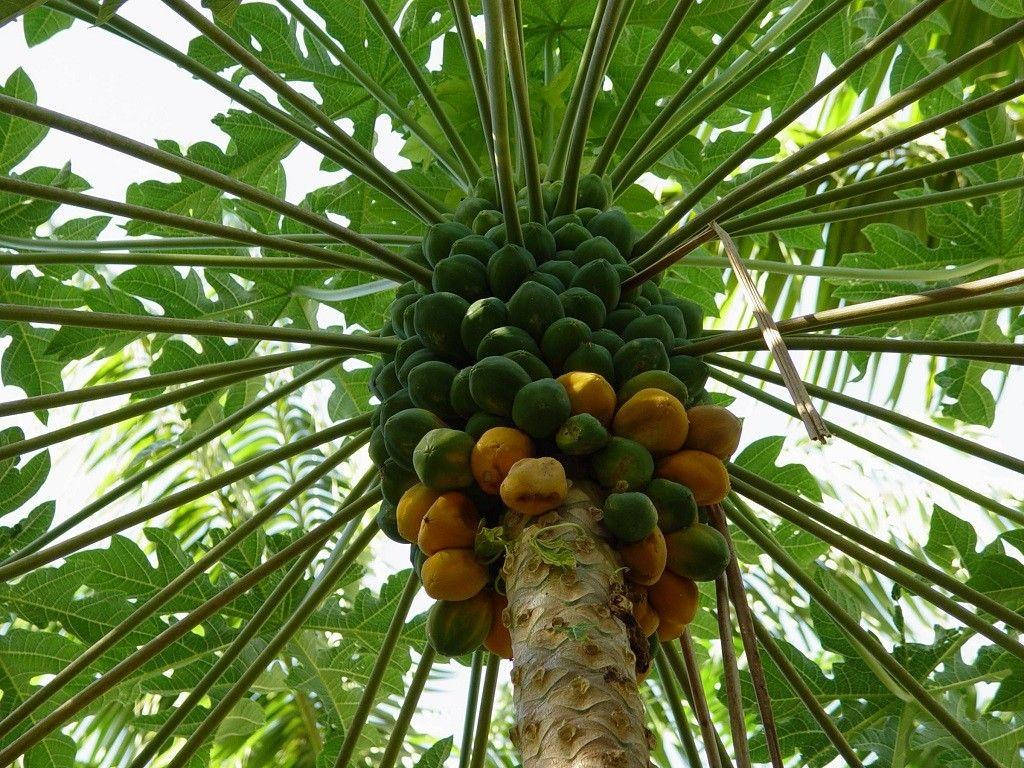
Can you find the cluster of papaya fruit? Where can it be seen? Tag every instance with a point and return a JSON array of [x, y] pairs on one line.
[[525, 365]]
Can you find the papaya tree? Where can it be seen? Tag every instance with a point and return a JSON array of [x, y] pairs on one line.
[[542, 350]]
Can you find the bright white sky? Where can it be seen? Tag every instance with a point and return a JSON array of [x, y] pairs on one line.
[[97, 77]]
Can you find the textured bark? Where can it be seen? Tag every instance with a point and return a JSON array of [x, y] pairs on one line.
[[573, 641]]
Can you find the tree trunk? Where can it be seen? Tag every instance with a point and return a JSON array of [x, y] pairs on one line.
[[576, 645]]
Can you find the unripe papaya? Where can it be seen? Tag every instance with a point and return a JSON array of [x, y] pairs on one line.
[[455, 628], [494, 382], [404, 430], [581, 435], [564, 270], [531, 363], [438, 322], [539, 241], [699, 552], [437, 244], [482, 317], [412, 508], [450, 523], [430, 386], [649, 327], [601, 279], [468, 209], [653, 418], [673, 315], [622, 465], [614, 225], [561, 339], [689, 370], [589, 393], [674, 598], [395, 480], [507, 268], [540, 408], [645, 559], [485, 221], [596, 248], [675, 504], [630, 516], [701, 472], [639, 355], [583, 305], [481, 421], [534, 307], [534, 486], [662, 380], [714, 430], [460, 274], [593, 358], [442, 459], [570, 235], [387, 521], [608, 339], [460, 399], [593, 192], [498, 640], [477, 246], [494, 454], [504, 340]]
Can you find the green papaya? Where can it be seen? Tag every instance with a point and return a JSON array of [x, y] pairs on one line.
[[654, 379], [455, 628], [376, 448], [600, 278], [618, 319], [460, 274], [614, 225], [387, 521], [508, 268], [540, 408], [437, 243], [481, 421], [415, 358], [430, 384], [565, 271], [689, 370], [596, 248], [506, 339], [622, 465], [629, 516], [384, 381], [397, 402], [394, 481], [468, 209], [539, 241], [404, 430], [396, 312], [534, 307], [530, 363], [673, 316], [561, 339], [494, 383], [693, 313], [570, 236], [649, 327], [547, 280], [557, 222], [608, 339], [581, 434], [487, 188], [477, 246], [414, 253], [677, 508], [583, 305], [549, 192], [593, 191], [442, 459], [485, 221], [591, 357], [482, 317], [637, 356], [438, 323], [459, 397], [698, 552], [406, 348], [650, 291], [586, 214]]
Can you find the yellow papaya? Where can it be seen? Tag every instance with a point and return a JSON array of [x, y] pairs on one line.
[[669, 631], [645, 616], [590, 393], [701, 472], [645, 559], [534, 486], [412, 508], [714, 430], [453, 574], [498, 640], [494, 454], [450, 523], [653, 418], [674, 598]]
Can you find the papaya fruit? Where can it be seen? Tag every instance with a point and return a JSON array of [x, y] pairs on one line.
[[394, 480], [477, 246], [539, 241], [620, 317], [534, 486], [438, 322], [614, 225], [592, 358], [540, 408], [485, 221], [404, 430], [629, 516], [468, 208], [533, 308], [673, 316], [600, 278], [581, 435], [637, 356], [437, 243], [689, 370], [699, 552], [397, 402], [555, 223], [562, 269], [412, 508], [487, 188], [645, 559], [482, 317], [622, 465], [642, 303], [649, 327], [396, 313], [585, 214], [376, 447], [451, 522], [506, 339], [441, 459], [495, 452], [387, 521], [415, 358], [498, 640], [651, 292], [530, 363], [405, 349], [457, 627], [674, 598], [416, 558], [608, 339], [385, 383], [462, 275], [508, 268], [701, 472], [481, 421], [430, 384], [714, 430], [571, 235], [668, 631], [589, 393], [646, 617], [561, 339], [584, 305], [653, 418], [549, 192], [677, 508], [494, 383], [548, 281], [593, 191], [460, 399], [414, 253], [596, 248], [662, 380], [693, 313]]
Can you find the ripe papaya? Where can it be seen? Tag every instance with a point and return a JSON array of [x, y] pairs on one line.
[[477, 246], [592, 358], [662, 380], [458, 627], [714, 430], [485, 221], [539, 241], [621, 317], [451, 522], [530, 363], [674, 598], [494, 454], [561, 339], [507, 268], [637, 356], [534, 486], [438, 322], [699, 552], [589, 393], [653, 418], [593, 191], [468, 208], [506, 339], [701, 472], [645, 559], [462, 275], [689, 370], [614, 225], [494, 383], [581, 435], [594, 249], [412, 508], [459, 397], [387, 521], [533, 308], [560, 268], [404, 430], [482, 317], [430, 385], [622, 465], [481, 421], [584, 305], [646, 617], [394, 481], [677, 508], [441, 459], [600, 278], [608, 339], [629, 516], [498, 640], [540, 408], [649, 327], [437, 243], [571, 235]]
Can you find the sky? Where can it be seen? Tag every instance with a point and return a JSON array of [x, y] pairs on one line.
[[97, 77]]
